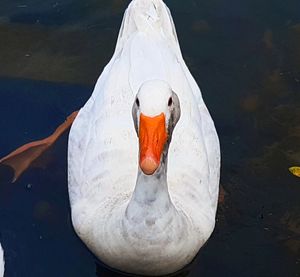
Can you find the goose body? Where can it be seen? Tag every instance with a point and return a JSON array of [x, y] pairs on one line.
[[150, 224]]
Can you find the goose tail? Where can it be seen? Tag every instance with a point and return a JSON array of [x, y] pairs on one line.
[[147, 16]]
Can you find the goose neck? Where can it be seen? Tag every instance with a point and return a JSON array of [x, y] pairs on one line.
[[150, 197]]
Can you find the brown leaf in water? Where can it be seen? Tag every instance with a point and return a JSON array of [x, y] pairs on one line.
[[21, 159]]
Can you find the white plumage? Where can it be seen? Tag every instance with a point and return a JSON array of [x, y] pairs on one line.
[[111, 210]]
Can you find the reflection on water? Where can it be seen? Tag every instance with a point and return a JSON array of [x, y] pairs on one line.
[[245, 56]]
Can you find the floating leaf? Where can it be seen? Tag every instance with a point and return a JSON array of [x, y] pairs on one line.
[[295, 170]]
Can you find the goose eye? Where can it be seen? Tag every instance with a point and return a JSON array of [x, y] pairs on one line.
[[137, 101], [170, 102]]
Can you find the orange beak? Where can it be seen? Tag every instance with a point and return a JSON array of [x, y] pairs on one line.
[[152, 137]]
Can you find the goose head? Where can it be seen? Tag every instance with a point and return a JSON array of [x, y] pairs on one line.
[[156, 111]]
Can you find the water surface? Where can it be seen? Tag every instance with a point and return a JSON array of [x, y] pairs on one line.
[[245, 57]]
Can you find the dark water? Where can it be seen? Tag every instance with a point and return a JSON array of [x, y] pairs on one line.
[[245, 55]]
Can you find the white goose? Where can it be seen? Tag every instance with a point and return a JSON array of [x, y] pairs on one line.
[[144, 193]]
